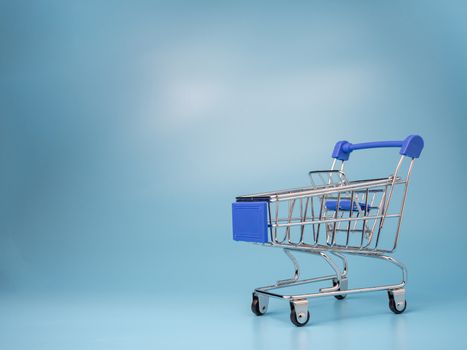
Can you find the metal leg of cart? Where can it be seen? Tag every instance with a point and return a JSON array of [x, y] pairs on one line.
[[299, 314]]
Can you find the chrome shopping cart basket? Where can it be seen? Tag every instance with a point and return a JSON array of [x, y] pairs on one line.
[[331, 218]]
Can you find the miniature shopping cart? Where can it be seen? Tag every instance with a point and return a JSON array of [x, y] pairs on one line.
[[331, 218]]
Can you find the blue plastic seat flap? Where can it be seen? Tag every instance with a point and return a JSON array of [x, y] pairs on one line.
[[250, 221]]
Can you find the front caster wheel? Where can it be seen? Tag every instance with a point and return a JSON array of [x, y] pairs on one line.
[[343, 282], [299, 318], [397, 304], [258, 307]]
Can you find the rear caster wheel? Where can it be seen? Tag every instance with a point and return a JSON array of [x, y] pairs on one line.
[[334, 283], [259, 307], [397, 304], [299, 318]]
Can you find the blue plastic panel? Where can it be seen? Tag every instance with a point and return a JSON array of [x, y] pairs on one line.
[[250, 221]]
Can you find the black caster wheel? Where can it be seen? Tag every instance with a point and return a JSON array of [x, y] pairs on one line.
[[393, 306], [297, 320], [255, 307], [338, 297]]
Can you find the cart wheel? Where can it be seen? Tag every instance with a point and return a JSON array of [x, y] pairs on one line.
[[397, 308], [298, 320], [255, 306], [338, 297]]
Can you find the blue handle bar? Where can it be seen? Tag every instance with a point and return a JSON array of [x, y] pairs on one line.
[[412, 147]]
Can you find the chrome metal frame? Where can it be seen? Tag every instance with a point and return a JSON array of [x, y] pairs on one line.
[[358, 231], [339, 276]]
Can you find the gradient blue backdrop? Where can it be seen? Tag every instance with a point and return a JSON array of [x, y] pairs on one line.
[[128, 127]]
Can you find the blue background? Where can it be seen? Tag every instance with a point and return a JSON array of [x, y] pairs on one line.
[[128, 127]]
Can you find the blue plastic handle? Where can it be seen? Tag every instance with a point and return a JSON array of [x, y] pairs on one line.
[[412, 147]]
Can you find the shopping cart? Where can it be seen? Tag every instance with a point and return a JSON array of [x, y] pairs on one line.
[[331, 218]]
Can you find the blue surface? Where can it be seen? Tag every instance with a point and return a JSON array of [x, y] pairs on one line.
[[128, 127], [250, 221], [360, 322]]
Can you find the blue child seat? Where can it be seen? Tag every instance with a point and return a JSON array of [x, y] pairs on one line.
[[344, 205]]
